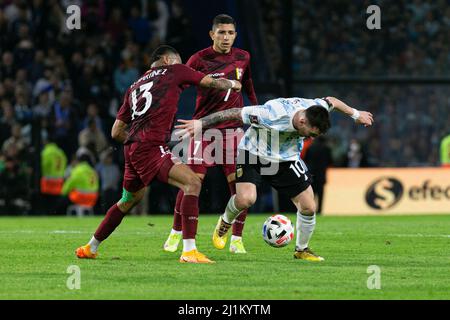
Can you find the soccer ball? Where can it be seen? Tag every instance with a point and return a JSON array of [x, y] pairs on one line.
[[278, 231]]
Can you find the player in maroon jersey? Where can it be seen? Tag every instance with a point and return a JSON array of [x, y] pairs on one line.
[[143, 125], [219, 60]]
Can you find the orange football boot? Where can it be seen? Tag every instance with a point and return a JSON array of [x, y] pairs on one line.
[[194, 256], [84, 252]]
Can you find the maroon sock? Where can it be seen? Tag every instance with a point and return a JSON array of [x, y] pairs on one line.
[[177, 224], [112, 219], [239, 222], [189, 216]]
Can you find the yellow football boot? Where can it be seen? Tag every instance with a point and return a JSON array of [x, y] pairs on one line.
[[84, 252], [194, 256], [220, 236], [237, 246], [171, 244], [308, 255]]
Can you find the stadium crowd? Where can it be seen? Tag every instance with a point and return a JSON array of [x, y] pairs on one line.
[[66, 86], [332, 40]]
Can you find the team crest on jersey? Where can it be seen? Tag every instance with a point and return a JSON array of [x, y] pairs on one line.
[[239, 72]]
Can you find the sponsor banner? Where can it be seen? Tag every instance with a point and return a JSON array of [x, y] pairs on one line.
[[387, 191]]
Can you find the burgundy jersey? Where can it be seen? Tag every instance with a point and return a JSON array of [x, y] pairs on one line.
[[234, 65], [150, 104]]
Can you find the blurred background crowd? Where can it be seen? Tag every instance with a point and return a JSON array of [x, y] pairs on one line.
[[63, 87]]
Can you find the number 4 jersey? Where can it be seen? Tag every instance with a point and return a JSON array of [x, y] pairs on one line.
[[150, 104]]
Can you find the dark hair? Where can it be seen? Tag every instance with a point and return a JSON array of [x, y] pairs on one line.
[[223, 19], [84, 157], [318, 117], [161, 51]]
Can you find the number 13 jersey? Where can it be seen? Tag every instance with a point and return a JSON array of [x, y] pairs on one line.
[[150, 104]]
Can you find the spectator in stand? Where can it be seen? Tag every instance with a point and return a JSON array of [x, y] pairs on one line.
[[110, 176], [179, 33], [116, 25], [157, 12], [318, 159], [44, 107], [6, 121], [140, 26], [53, 166], [14, 182], [356, 156], [22, 110], [91, 134], [82, 186], [64, 123], [445, 151], [124, 75], [17, 140], [89, 151], [8, 68]]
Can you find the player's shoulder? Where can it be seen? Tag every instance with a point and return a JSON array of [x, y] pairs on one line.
[[179, 67], [241, 54], [203, 53], [241, 51]]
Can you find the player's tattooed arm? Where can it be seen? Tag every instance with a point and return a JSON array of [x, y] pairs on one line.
[[192, 127], [362, 117], [119, 132], [221, 84], [221, 116]]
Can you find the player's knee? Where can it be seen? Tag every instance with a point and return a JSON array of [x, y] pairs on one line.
[[193, 185], [308, 209], [245, 200]]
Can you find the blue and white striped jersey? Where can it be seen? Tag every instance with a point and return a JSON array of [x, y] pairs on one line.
[[272, 135]]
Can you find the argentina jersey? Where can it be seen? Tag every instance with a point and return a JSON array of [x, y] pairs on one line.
[[272, 135]]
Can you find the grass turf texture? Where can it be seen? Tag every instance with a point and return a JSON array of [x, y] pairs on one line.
[[412, 252]]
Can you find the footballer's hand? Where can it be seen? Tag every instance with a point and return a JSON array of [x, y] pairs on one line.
[[237, 86], [188, 128], [365, 118]]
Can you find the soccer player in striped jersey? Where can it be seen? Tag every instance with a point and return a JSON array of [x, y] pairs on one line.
[[219, 60], [270, 152]]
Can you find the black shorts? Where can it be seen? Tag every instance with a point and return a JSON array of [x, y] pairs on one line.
[[288, 177]]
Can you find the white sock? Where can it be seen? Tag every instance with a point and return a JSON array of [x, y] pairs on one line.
[[188, 245], [173, 231], [231, 212], [305, 227], [233, 238], [94, 243]]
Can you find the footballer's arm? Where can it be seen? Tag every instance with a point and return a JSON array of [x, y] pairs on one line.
[[221, 84], [221, 116], [118, 131], [362, 117], [191, 127]]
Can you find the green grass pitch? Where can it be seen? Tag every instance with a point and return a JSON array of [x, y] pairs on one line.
[[412, 252]]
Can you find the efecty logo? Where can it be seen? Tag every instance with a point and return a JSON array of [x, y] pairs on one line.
[[384, 193]]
